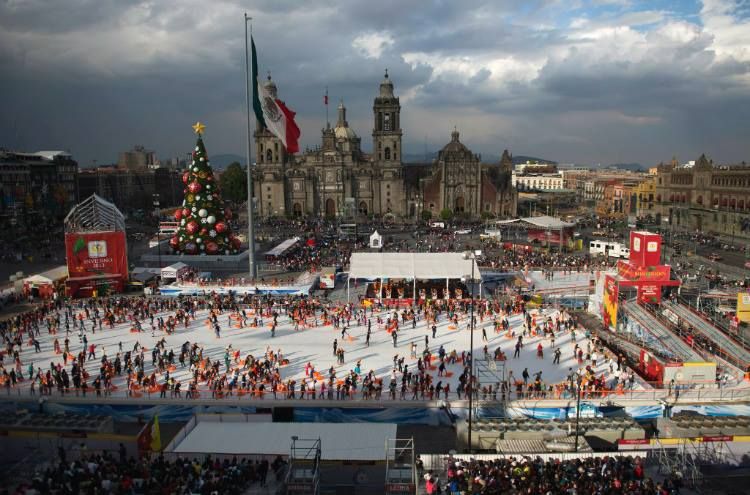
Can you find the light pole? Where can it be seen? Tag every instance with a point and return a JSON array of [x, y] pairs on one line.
[[471, 256], [250, 226], [578, 408], [157, 204]]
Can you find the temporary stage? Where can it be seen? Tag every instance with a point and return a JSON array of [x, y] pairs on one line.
[[411, 266]]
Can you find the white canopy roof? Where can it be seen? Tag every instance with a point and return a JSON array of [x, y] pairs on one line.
[[283, 247], [411, 265], [543, 221], [338, 441], [172, 271], [49, 277]]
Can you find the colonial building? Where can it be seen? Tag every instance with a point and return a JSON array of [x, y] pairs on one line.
[[703, 197], [337, 179], [41, 181]]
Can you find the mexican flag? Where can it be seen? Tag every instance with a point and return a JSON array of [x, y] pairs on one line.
[[272, 113]]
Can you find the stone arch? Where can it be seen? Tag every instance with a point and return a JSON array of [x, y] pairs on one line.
[[460, 205]]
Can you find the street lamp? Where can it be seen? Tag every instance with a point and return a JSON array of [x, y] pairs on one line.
[[578, 407], [157, 204], [472, 256]]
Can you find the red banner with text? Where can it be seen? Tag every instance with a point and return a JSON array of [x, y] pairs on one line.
[[93, 254], [635, 273]]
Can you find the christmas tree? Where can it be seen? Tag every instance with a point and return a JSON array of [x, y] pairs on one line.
[[204, 227]]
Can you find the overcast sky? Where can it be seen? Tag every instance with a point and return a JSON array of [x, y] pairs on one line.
[[586, 81]]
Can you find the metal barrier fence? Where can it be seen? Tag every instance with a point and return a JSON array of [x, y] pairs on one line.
[[204, 393]]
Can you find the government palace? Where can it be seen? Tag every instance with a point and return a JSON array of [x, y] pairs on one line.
[[337, 179]]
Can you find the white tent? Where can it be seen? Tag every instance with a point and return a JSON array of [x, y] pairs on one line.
[[174, 271], [413, 266], [283, 247], [48, 277]]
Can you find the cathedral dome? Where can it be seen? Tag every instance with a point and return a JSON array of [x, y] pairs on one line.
[[342, 129], [455, 146]]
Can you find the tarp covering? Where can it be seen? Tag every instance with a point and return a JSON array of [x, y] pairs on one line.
[[424, 266], [283, 247]]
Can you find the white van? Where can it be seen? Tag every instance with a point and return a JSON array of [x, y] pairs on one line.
[[610, 249]]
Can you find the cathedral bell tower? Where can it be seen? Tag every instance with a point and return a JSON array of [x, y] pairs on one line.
[[386, 133]]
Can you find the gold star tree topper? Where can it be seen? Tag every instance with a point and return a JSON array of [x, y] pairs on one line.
[[198, 128]]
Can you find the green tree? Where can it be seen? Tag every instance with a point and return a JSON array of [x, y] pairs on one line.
[[446, 214], [426, 215], [233, 183], [204, 223]]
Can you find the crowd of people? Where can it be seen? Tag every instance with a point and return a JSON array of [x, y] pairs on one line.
[[109, 474], [420, 372], [531, 476]]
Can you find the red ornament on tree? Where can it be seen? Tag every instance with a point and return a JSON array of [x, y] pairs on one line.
[[185, 213], [236, 242], [178, 214], [203, 231], [185, 177], [212, 247], [195, 187], [174, 242], [191, 227], [220, 227]]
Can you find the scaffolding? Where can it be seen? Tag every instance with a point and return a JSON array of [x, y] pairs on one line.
[[400, 467], [303, 475], [94, 214], [491, 372], [689, 457]]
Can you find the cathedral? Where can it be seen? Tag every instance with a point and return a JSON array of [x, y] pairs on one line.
[[337, 179]]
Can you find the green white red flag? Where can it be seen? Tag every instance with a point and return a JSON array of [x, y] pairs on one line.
[[272, 113]]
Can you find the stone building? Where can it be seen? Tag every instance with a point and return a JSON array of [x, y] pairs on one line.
[[703, 197], [337, 179]]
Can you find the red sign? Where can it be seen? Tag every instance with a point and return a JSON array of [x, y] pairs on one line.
[[718, 438], [649, 294], [645, 248], [92, 254], [633, 273]]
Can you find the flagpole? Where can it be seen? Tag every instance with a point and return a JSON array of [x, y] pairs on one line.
[[327, 121], [250, 226]]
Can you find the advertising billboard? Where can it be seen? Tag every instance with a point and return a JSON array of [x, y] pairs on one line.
[[96, 254], [609, 306], [743, 307]]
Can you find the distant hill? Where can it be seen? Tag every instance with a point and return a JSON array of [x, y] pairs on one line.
[[220, 162], [523, 159], [486, 158], [635, 167]]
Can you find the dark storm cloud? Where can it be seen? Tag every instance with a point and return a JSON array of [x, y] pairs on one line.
[[565, 80]]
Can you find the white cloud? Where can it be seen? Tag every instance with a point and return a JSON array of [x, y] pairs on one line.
[[372, 44]]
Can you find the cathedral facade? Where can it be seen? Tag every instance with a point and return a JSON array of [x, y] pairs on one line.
[[338, 180]]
